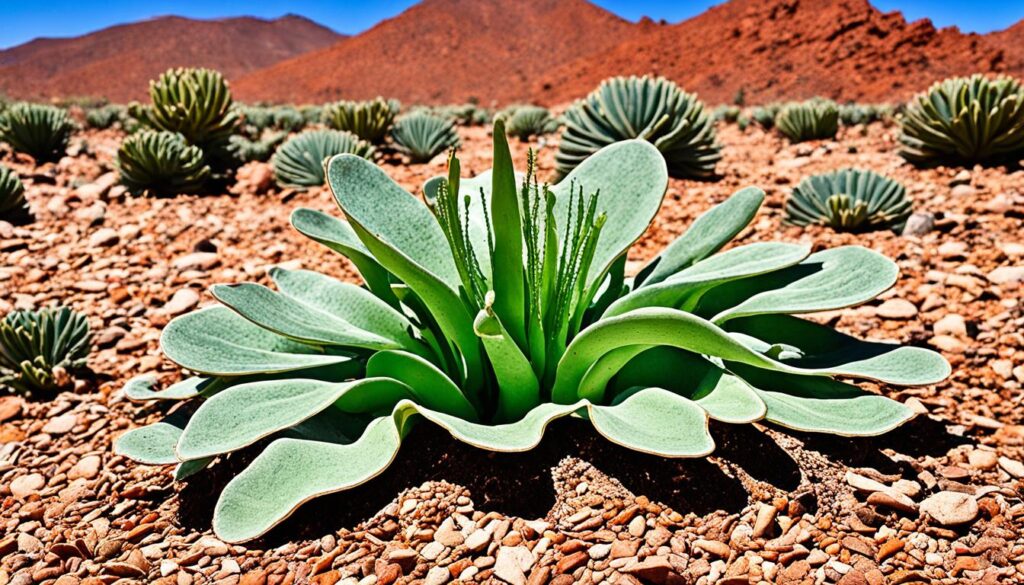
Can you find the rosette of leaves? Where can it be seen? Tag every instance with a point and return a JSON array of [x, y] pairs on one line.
[[13, 207], [105, 116], [815, 119], [857, 114], [765, 115], [525, 122], [422, 136], [288, 119], [195, 103], [39, 350], [726, 113], [299, 162], [312, 114], [965, 120], [369, 120], [37, 130], [162, 163], [852, 200], [255, 119], [652, 109], [246, 150], [500, 305]]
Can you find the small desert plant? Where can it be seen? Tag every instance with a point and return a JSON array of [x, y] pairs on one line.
[[104, 117], [195, 103], [857, 114], [300, 161], [37, 130], [423, 136], [248, 150], [255, 119], [815, 119], [369, 120], [653, 109], [13, 207], [39, 350], [726, 113], [527, 121], [765, 115], [852, 200], [312, 114], [162, 163], [965, 120], [288, 119], [501, 305]]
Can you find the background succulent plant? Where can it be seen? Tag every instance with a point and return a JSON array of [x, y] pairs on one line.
[[526, 121], [37, 130], [39, 350], [13, 207], [423, 136], [260, 149], [105, 116], [653, 109], [765, 114], [288, 119], [499, 306], [856, 114], [195, 103], [849, 200], [162, 163], [965, 120], [726, 113], [369, 120], [814, 119], [299, 162]]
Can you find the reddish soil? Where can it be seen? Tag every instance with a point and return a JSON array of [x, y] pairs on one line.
[[791, 49], [447, 51], [118, 62]]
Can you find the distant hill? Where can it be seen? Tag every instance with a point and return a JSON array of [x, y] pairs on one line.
[[118, 62], [779, 49], [447, 51]]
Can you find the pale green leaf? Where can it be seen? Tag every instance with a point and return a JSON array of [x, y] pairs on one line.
[[656, 421]]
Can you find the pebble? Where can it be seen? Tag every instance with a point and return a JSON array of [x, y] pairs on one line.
[[10, 407], [437, 576], [511, 564], [981, 459], [27, 485], [950, 508], [86, 468], [714, 547], [896, 309], [196, 261], [951, 324], [103, 238], [1006, 275], [1012, 466], [183, 300], [60, 424], [637, 526], [477, 540]]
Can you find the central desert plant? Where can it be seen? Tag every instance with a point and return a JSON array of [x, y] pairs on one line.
[[500, 305], [37, 130], [965, 120], [653, 109]]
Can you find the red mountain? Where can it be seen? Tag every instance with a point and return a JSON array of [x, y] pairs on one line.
[[118, 62], [776, 49], [447, 51]]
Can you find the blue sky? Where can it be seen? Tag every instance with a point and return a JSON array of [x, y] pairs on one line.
[[23, 20]]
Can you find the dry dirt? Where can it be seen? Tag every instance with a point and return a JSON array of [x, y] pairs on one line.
[[938, 501]]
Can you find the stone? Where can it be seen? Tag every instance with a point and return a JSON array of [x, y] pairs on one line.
[[637, 526], [478, 540], [951, 324], [448, 534], [196, 261], [948, 343], [512, 563], [951, 508], [60, 424], [570, 563], [963, 191], [864, 484], [896, 309], [183, 300], [982, 459], [599, 551], [1006, 275], [86, 468], [655, 569], [10, 407], [437, 576], [919, 224], [432, 550], [1012, 466], [713, 547], [953, 250], [961, 178], [890, 498], [103, 238], [624, 548]]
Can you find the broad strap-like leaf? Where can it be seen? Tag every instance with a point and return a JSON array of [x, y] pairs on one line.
[[631, 177], [431, 387], [340, 237], [825, 348], [708, 234], [826, 280], [409, 243], [656, 421], [519, 388], [290, 317], [862, 416], [152, 444], [290, 472], [521, 435], [140, 388], [219, 342], [686, 285], [507, 275], [246, 413]]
